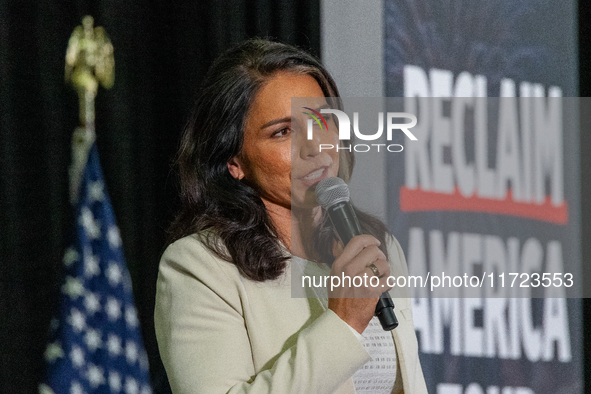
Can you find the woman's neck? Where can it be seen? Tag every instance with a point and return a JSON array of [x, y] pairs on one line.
[[303, 224], [295, 227]]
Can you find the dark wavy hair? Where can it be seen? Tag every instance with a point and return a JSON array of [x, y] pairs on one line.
[[227, 214]]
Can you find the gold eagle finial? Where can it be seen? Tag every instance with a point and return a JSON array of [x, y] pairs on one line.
[[89, 61]]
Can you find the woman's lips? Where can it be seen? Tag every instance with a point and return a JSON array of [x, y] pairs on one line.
[[315, 176]]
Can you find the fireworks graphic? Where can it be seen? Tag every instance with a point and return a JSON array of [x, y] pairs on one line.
[[487, 37]]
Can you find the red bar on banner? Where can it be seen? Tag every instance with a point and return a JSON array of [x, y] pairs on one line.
[[414, 200]]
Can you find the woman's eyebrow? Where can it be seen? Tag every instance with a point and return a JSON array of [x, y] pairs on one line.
[[275, 121], [288, 118]]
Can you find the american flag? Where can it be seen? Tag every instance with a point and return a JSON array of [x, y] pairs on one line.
[[95, 341]]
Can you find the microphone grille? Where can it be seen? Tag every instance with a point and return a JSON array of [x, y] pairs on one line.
[[330, 191]]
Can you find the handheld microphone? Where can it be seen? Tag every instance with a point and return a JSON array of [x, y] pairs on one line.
[[333, 195]]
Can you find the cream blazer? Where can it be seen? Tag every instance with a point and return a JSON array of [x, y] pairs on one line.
[[219, 332]]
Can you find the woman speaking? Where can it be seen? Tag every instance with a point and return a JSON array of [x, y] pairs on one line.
[[226, 321]]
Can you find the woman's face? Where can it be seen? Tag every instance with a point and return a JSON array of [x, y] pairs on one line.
[[277, 159]]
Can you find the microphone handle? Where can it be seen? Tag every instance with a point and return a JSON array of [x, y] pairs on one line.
[[347, 226]]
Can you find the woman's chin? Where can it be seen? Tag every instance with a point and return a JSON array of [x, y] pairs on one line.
[[304, 202]]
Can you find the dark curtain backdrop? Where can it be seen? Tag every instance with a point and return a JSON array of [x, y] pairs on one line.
[[162, 50], [585, 135]]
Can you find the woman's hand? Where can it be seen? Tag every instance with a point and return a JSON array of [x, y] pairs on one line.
[[356, 304]]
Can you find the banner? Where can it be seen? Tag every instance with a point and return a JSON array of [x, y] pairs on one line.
[[489, 183]]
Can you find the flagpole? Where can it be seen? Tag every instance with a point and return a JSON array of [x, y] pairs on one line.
[[89, 61]]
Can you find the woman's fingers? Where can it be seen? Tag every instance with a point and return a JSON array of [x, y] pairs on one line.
[[361, 271], [354, 247], [368, 256]]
